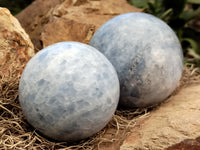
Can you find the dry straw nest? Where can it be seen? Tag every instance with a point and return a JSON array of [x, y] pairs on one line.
[[16, 133]]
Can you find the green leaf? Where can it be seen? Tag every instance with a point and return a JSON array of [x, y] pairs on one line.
[[193, 44], [194, 1], [177, 6], [189, 14], [166, 14], [159, 5], [192, 53], [139, 3], [152, 8]]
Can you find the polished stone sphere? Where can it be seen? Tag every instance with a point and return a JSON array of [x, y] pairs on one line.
[[146, 54], [69, 91]]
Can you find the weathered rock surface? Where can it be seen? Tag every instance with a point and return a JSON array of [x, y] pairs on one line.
[[48, 22], [15, 46], [173, 122], [188, 144]]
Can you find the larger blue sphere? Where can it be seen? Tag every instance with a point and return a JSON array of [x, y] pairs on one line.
[[69, 91], [146, 54]]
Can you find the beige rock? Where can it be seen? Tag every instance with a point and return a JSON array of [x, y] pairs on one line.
[[34, 17], [48, 22], [173, 122], [15, 46], [188, 144]]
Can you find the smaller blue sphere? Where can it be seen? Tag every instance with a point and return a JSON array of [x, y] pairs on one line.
[[146, 54], [68, 91]]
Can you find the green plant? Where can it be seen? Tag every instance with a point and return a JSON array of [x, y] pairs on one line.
[[179, 15], [15, 6]]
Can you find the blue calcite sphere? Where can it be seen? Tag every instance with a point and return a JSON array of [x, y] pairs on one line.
[[146, 54], [68, 91]]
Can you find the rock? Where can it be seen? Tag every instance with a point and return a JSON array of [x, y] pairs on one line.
[[15, 46], [188, 144], [68, 20], [34, 17], [174, 121]]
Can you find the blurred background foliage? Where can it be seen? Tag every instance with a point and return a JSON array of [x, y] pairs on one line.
[[184, 18], [182, 15], [15, 6]]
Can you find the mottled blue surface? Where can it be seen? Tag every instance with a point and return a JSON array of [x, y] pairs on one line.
[[146, 55], [69, 91]]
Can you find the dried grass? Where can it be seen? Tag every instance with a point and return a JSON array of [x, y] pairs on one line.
[[16, 133]]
